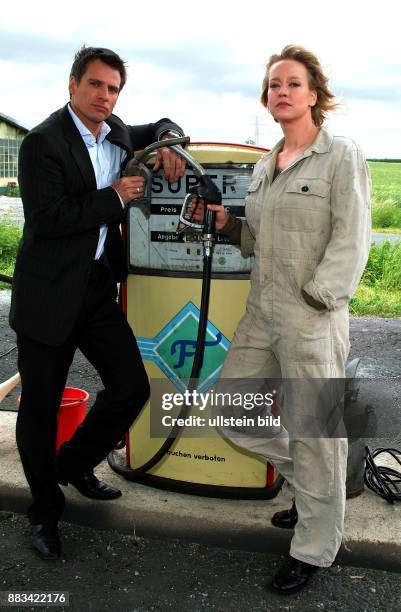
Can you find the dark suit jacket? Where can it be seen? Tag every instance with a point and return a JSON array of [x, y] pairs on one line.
[[63, 213]]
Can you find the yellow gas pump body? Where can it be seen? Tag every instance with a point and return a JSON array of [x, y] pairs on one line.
[[162, 302]]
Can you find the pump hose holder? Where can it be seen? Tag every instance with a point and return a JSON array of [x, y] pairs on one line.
[[137, 167]]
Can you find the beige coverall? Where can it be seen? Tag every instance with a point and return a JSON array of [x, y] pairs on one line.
[[309, 228]]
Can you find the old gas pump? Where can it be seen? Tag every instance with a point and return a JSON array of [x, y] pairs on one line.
[[162, 300]]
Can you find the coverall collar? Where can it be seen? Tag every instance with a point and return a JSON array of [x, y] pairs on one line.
[[321, 144]]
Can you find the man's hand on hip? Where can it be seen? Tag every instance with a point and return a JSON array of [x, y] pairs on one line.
[[129, 188]]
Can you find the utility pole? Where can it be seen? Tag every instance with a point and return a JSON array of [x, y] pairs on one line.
[[257, 130]]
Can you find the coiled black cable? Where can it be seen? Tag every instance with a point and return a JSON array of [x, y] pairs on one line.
[[381, 479]]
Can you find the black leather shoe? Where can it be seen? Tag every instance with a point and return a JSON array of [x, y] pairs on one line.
[[46, 541], [292, 576], [89, 486], [286, 519]]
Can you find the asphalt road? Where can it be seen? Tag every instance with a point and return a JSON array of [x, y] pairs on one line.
[[109, 571], [378, 238]]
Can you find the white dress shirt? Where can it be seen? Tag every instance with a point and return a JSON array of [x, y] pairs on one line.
[[106, 159]]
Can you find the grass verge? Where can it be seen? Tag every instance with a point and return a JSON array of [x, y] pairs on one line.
[[387, 230], [379, 292], [374, 302], [10, 235]]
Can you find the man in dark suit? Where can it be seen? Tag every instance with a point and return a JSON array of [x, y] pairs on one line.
[[64, 292]]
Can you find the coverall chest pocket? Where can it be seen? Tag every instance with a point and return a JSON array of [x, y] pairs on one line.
[[253, 203], [305, 206]]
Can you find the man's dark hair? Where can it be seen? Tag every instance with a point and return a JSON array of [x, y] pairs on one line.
[[85, 55]]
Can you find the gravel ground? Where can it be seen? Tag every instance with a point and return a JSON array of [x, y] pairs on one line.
[[110, 571]]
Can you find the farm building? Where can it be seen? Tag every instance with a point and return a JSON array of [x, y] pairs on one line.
[[11, 135]]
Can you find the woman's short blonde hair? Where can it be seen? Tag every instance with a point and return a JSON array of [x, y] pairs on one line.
[[325, 101]]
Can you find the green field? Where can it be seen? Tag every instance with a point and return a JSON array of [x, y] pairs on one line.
[[386, 196]]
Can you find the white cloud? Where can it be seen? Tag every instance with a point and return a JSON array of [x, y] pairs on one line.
[[203, 64]]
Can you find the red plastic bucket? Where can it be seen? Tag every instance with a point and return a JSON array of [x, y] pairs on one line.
[[72, 412]]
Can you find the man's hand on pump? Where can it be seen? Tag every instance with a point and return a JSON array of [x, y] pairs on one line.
[[173, 164], [129, 188], [197, 213]]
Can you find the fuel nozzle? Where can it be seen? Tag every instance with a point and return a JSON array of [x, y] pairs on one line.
[[207, 191], [210, 194]]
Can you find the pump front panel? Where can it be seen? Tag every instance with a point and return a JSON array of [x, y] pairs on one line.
[[153, 242]]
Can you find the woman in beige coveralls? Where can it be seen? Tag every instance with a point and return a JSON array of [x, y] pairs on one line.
[[308, 226]]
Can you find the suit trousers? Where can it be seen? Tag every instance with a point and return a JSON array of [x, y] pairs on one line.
[[103, 335]]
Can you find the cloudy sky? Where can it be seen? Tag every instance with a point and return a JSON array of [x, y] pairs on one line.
[[202, 63]]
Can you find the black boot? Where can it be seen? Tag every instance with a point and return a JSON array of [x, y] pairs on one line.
[[89, 486], [292, 576], [45, 541], [286, 519]]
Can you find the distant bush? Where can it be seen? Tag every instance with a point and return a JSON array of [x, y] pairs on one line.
[[387, 160], [13, 192]]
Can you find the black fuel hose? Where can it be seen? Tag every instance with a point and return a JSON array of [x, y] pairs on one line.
[[6, 279], [203, 318], [132, 473]]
